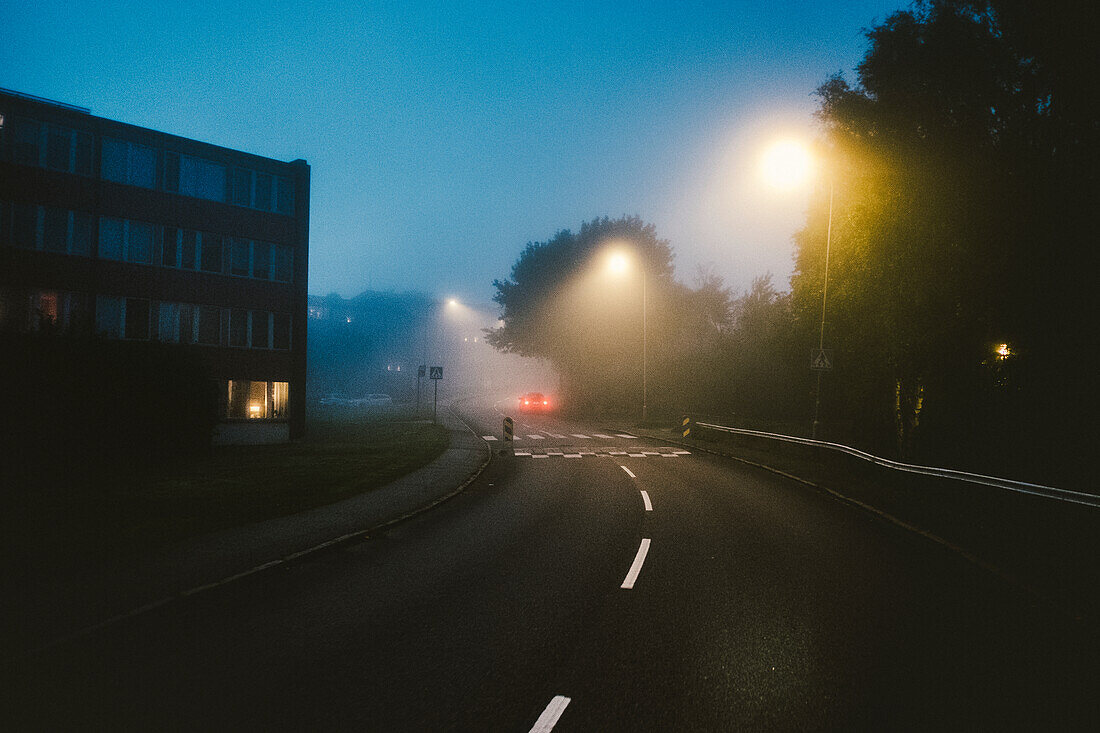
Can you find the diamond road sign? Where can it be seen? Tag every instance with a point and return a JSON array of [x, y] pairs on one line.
[[437, 373], [821, 359]]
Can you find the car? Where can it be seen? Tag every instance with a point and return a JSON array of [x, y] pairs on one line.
[[534, 402]]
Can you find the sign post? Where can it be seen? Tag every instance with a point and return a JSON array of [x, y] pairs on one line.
[[419, 375], [436, 375]]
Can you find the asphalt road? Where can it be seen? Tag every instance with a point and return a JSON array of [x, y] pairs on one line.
[[750, 602]]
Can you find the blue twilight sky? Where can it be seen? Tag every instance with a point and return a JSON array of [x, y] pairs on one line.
[[444, 136]]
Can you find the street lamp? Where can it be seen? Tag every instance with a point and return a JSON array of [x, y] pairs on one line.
[[788, 164], [618, 264]]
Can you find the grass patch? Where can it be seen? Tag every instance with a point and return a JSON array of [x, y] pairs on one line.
[[114, 509]]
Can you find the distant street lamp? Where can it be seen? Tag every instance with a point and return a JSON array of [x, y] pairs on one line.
[[618, 263], [788, 164]]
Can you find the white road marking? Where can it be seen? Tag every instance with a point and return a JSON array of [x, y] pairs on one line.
[[648, 503], [651, 453], [601, 435], [522, 453], [540, 455], [682, 452], [628, 472], [636, 455], [580, 435], [572, 455], [616, 453], [669, 455], [554, 452], [636, 566], [550, 715], [536, 437], [488, 437], [624, 435]]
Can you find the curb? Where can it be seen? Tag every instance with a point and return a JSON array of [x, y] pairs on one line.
[[342, 541]]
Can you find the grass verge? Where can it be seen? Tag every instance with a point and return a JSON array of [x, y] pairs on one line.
[[102, 510]]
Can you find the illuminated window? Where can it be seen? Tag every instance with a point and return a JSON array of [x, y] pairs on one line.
[[248, 400], [280, 399]]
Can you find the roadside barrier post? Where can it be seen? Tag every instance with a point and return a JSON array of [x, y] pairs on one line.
[[686, 426], [509, 430]]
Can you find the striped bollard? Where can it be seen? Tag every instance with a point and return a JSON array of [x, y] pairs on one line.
[[685, 426], [509, 430]]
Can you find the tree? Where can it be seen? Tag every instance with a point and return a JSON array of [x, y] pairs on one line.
[[561, 304], [947, 160]]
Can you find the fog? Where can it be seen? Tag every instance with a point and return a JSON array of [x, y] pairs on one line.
[[374, 342]]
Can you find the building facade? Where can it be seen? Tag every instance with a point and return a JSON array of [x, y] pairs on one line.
[[122, 232]]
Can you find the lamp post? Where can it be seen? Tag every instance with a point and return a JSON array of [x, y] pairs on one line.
[[618, 264], [824, 295], [787, 164]]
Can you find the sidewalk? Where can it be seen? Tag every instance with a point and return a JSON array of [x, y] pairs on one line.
[[57, 608]]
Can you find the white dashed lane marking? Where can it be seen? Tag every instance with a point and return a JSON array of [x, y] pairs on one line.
[[536, 437], [550, 715], [580, 435], [624, 435], [636, 566], [601, 435], [489, 437], [648, 503], [628, 472]]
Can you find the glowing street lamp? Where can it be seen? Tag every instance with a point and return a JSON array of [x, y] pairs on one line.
[[788, 164], [618, 264]]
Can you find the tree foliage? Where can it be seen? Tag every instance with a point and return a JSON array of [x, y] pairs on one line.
[[959, 222], [562, 304]]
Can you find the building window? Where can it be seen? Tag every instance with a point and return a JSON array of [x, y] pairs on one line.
[[238, 327], [45, 227], [261, 330], [26, 141], [280, 331], [189, 249], [210, 325], [239, 257], [24, 226], [242, 187], [51, 311], [200, 178], [284, 262], [136, 320], [122, 239], [55, 230], [261, 260], [284, 202], [108, 316], [129, 163], [264, 189], [68, 150], [249, 400], [211, 252], [140, 243]]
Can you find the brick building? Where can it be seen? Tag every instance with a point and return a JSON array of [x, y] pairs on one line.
[[122, 232]]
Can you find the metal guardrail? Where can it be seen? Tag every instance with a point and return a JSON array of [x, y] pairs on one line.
[[1049, 492]]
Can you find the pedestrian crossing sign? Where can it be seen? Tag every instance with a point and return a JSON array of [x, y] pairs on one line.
[[821, 359]]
